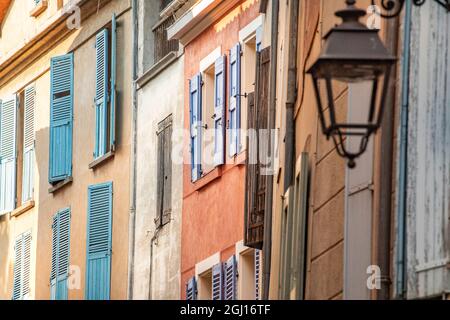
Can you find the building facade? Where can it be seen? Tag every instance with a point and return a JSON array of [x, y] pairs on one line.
[[65, 142]]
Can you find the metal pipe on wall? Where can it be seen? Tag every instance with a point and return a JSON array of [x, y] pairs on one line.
[[267, 246], [403, 158], [385, 171], [132, 217]]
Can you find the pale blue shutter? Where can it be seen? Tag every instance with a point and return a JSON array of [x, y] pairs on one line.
[[99, 242], [217, 282], [219, 111], [101, 93], [28, 144], [112, 134], [195, 107], [22, 266], [61, 117], [191, 289], [230, 279], [235, 99], [60, 255], [257, 273], [8, 121]]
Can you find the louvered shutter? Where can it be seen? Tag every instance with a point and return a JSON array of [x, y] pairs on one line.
[[22, 266], [195, 108], [112, 125], [257, 273], [230, 279], [101, 93], [8, 121], [60, 255], [219, 111], [191, 289], [99, 242], [217, 282], [61, 117], [28, 144], [235, 99]]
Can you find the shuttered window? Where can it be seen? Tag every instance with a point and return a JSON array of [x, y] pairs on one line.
[[8, 150], [28, 144], [191, 289], [61, 118], [235, 100], [195, 112], [60, 255], [256, 180], [22, 267], [105, 92], [99, 242], [164, 172], [219, 111], [230, 279], [217, 282]]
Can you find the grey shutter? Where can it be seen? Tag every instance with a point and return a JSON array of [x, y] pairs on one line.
[[22, 266], [230, 279], [28, 144], [8, 150], [219, 111], [164, 174], [217, 282]]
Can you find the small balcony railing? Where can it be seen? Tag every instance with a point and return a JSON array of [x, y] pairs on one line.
[[163, 46]]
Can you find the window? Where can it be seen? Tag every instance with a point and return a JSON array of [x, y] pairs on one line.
[[61, 118], [8, 151], [60, 255], [163, 46], [105, 91], [99, 242], [207, 112], [219, 282], [164, 172], [22, 267], [38, 6]]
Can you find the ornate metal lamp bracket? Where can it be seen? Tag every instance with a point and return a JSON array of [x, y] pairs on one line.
[[393, 8]]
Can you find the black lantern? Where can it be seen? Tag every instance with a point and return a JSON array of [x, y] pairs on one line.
[[352, 54]]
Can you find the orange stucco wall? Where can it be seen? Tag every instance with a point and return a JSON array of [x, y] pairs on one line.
[[213, 207]]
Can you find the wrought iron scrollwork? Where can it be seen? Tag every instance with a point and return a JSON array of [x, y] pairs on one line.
[[392, 8]]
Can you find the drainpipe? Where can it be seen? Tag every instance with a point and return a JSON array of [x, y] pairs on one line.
[[291, 96], [132, 217], [403, 159], [267, 246], [385, 173]]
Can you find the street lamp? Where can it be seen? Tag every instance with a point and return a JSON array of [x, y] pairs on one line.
[[392, 8], [352, 54]]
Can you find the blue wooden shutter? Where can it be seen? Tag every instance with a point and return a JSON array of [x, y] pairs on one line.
[[101, 93], [60, 255], [257, 273], [99, 242], [191, 289], [217, 282], [22, 266], [61, 117], [195, 107], [235, 99], [112, 134], [230, 279], [8, 121], [28, 144], [219, 111]]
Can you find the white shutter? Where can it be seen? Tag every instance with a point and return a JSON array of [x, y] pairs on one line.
[[28, 144]]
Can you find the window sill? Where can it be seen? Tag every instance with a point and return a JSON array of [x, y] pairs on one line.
[[158, 68], [100, 161], [39, 8], [60, 185], [211, 176], [23, 208]]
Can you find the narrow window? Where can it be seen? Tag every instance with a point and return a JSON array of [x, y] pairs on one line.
[[164, 172]]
